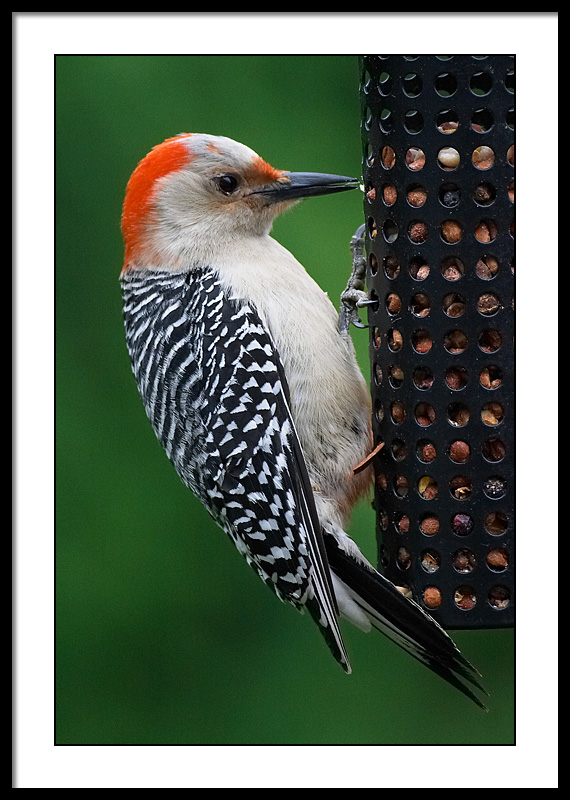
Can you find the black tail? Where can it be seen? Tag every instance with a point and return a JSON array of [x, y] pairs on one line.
[[404, 621]]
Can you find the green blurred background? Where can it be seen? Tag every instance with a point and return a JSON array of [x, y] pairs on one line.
[[164, 636]]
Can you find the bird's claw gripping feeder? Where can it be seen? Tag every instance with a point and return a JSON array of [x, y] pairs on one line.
[[438, 173]]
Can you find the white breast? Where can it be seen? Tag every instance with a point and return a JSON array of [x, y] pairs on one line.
[[329, 397]]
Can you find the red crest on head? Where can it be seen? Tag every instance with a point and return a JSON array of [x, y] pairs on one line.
[[167, 157]]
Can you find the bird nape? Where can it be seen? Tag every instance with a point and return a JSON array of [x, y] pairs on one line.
[[253, 388]]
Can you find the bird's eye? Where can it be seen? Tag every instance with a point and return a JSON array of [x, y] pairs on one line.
[[227, 183]]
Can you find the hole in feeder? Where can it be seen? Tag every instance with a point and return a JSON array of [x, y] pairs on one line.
[[412, 84], [482, 120], [488, 304], [390, 231], [492, 414], [388, 157], [393, 304], [415, 159], [398, 413], [401, 486], [495, 487], [496, 523], [498, 559], [429, 524], [460, 487], [402, 523], [491, 377], [483, 157], [420, 305], [413, 121], [486, 230], [451, 231], [423, 378], [416, 195], [445, 84], [462, 524], [458, 415], [448, 158], [396, 376], [487, 267], [425, 414], [459, 451], [432, 597], [395, 340], [456, 378], [430, 560], [418, 269], [389, 194], [465, 598], [425, 451], [481, 83], [464, 561], [417, 231], [499, 597], [452, 269], [453, 304], [399, 450], [490, 341], [485, 194], [493, 450], [422, 341], [403, 558], [449, 195], [427, 487], [391, 267], [447, 121], [455, 341]]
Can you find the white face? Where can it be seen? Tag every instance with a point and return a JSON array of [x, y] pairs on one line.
[[196, 188], [220, 187]]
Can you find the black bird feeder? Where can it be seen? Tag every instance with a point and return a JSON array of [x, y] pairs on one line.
[[438, 171]]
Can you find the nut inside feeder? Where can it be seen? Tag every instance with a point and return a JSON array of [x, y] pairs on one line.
[[438, 171]]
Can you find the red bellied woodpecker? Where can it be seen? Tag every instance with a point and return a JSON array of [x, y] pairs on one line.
[[252, 385]]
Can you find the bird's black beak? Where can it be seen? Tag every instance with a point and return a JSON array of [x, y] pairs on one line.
[[294, 185]]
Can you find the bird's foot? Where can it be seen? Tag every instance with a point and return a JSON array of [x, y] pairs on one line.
[[355, 295]]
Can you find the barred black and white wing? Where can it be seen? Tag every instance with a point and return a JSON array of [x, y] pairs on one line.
[[214, 389]]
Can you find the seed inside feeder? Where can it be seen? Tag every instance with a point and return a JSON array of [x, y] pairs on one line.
[[496, 523], [422, 341], [427, 487], [415, 158], [426, 451], [456, 378], [459, 451], [418, 232], [487, 267], [429, 525], [499, 597], [417, 196], [465, 598], [464, 561], [430, 561], [483, 157], [451, 231], [432, 597], [388, 157], [448, 158]]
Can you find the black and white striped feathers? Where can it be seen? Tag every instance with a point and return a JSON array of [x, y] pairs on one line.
[[214, 389]]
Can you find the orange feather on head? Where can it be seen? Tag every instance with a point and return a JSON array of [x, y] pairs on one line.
[[166, 157]]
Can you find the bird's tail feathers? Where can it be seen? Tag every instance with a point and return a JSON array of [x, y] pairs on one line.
[[402, 620], [329, 629]]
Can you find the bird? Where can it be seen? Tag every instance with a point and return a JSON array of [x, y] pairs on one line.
[[248, 375]]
